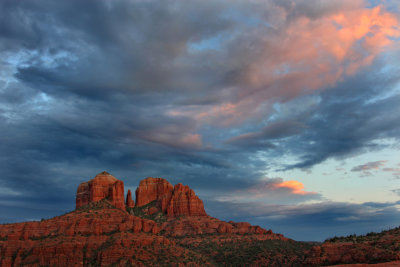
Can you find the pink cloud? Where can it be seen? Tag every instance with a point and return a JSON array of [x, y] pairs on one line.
[[303, 54]]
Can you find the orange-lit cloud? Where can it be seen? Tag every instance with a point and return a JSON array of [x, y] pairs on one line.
[[304, 55], [279, 186], [296, 187], [273, 190], [324, 50]]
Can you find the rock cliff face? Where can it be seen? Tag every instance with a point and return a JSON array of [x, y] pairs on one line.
[[178, 200], [185, 202], [151, 189], [103, 186]]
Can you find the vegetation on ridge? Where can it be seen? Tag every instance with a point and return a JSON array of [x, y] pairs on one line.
[[143, 212]]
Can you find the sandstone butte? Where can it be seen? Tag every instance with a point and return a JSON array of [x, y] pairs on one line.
[[103, 186], [166, 226], [172, 200]]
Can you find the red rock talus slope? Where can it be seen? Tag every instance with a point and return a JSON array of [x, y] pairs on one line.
[[178, 200], [104, 185]]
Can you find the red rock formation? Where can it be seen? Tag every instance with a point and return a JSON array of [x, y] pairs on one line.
[[173, 201], [185, 202], [151, 189], [100, 235], [104, 185], [129, 202]]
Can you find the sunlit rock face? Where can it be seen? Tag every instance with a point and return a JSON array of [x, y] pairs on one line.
[[102, 186]]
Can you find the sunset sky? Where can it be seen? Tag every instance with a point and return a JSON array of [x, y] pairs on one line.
[[282, 113]]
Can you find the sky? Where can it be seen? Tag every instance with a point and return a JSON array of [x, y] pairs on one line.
[[282, 113]]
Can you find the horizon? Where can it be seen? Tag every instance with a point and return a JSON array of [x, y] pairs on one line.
[[283, 114]]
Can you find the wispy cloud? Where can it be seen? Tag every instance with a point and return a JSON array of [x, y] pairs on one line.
[[374, 165], [367, 168], [395, 171]]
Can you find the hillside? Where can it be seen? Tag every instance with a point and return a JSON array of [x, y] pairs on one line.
[[371, 248]]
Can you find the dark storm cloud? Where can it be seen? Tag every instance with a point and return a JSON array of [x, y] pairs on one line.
[[184, 90], [93, 80], [351, 118], [347, 119], [101, 48], [274, 130], [315, 9]]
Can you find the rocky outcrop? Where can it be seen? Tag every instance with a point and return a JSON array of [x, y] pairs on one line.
[[185, 202], [178, 200], [154, 189], [103, 186], [129, 202]]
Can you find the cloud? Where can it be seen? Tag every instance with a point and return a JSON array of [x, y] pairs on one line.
[[332, 47], [395, 171], [264, 138], [295, 186], [317, 221], [375, 165], [272, 190], [267, 66]]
